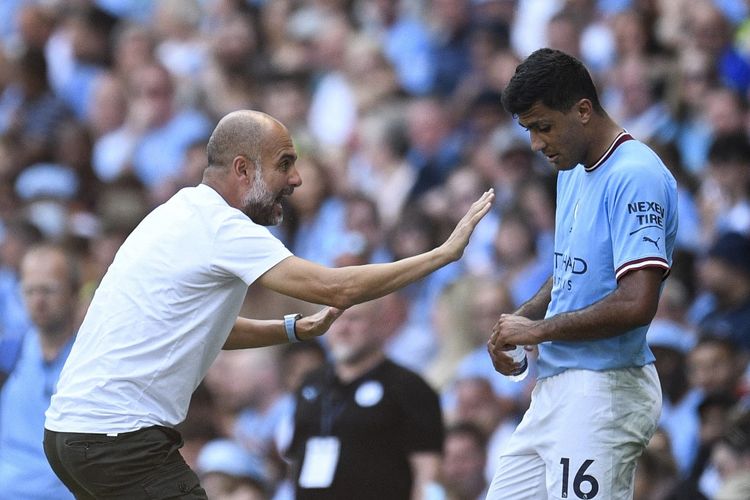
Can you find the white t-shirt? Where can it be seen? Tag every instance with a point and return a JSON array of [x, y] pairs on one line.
[[161, 315]]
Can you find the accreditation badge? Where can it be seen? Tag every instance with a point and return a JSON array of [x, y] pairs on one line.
[[321, 458]]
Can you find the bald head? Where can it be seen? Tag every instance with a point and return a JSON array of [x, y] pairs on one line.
[[239, 133]]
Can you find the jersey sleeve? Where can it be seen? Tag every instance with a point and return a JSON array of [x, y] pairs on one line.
[[639, 210], [246, 250]]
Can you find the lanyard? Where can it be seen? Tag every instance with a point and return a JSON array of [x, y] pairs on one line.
[[329, 412]]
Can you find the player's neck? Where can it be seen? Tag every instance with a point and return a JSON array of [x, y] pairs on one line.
[[606, 132]]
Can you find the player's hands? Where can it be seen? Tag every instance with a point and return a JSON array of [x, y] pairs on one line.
[[316, 324], [459, 238], [502, 362], [509, 331]]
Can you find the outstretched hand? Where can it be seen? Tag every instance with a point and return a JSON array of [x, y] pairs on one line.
[[459, 238], [317, 324]]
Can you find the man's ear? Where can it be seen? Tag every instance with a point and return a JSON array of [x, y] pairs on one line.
[[585, 109], [241, 168]]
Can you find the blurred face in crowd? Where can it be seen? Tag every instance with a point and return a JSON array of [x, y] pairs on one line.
[[356, 334], [476, 402], [463, 465], [728, 461], [514, 243], [241, 378], [720, 278], [712, 367], [461, 189], [47, 289], [152, 93], [489, 301]]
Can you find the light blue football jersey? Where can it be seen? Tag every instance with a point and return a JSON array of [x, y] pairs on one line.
[[615, 216]]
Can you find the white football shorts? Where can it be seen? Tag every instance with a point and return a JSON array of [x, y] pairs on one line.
[[580, 437]]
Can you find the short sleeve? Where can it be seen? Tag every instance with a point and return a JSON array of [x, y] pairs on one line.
[[639, 211], [245, 249]]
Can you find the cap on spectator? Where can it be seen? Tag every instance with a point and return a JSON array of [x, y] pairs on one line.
[[732, 249], [669, 335], [47, 180], [228, 457]]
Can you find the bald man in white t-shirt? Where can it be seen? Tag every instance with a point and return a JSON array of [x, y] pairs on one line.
[[169, 302]]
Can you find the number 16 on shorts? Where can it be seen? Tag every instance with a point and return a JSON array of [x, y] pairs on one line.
[[583, 485]]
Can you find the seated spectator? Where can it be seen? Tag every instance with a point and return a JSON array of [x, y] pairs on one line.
[[725, 276], [724, 195], [229, 472], [18, 235], [156, 134], [490, 299], [715, 365], [30, 109], [476, 403], [49, 280], [521, 267], [655, 475], [679, 416], [464, 460], [715, 411], [731, 456]]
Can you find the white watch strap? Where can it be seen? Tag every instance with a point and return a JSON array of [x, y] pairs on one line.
[[289, 326]]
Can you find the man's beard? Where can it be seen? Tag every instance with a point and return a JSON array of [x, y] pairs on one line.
[[348, 355], [260, 203]]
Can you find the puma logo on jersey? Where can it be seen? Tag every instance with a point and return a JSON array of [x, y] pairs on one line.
[[655, 242]]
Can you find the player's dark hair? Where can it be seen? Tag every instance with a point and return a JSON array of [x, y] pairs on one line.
[[552, 78]]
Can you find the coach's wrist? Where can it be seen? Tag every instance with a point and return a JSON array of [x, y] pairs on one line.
[[290, 327]]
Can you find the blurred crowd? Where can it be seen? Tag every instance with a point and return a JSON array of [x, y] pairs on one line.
[[394, 108]]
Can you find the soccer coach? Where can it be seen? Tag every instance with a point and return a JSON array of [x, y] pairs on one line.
[[169, 303]]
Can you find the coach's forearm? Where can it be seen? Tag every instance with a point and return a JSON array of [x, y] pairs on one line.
[[362, 283], [248, 333], [343, 287]]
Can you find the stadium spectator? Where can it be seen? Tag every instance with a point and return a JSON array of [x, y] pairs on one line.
[[230, 472], [731, 456], [49, 280], [464, 458], [477, 403], [725, 276], [364, 427], [18, 235], [156, 134]]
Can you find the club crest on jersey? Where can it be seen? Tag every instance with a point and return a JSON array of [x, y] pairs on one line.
[[647, 214]]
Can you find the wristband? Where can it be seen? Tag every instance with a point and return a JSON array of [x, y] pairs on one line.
[[290, 321]]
